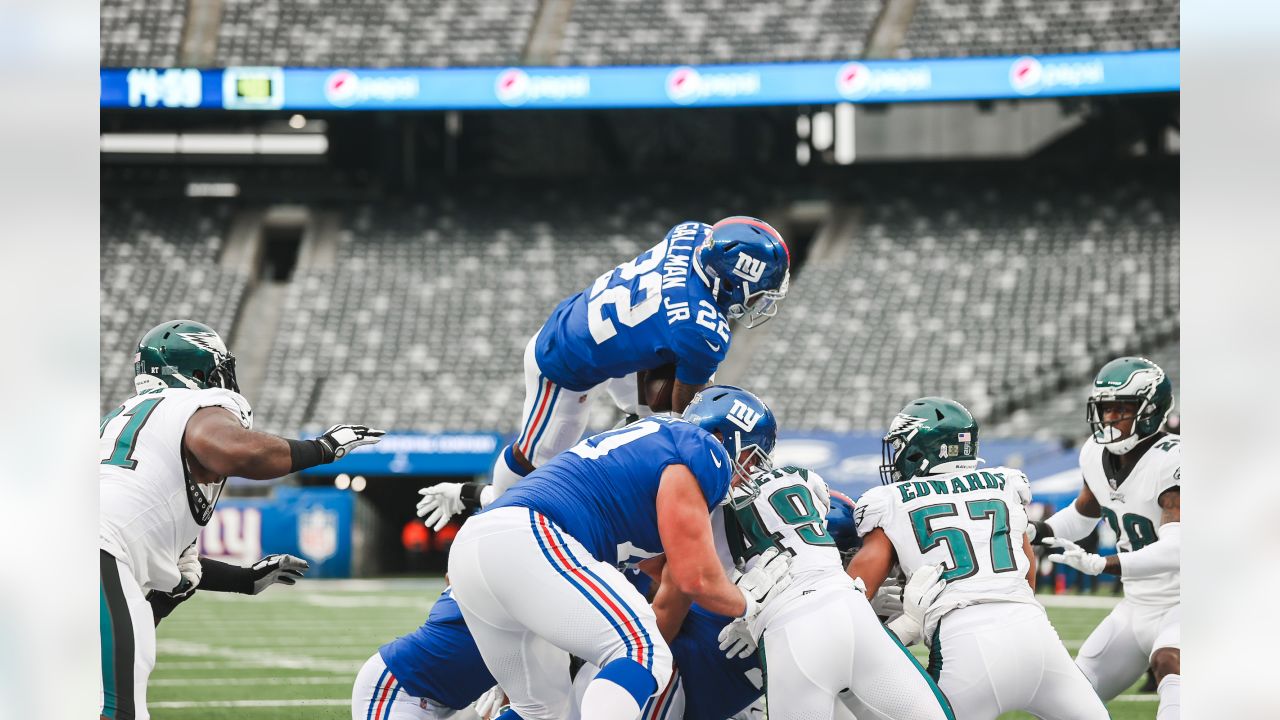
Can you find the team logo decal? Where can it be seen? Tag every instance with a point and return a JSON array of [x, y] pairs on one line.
[[743, 416], [205, 340], [906, 425], [749, 268]]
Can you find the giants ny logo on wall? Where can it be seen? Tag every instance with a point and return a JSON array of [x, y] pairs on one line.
[[749, 268], [743, 416]]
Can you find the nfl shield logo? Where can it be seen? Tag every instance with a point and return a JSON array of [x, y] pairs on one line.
[[318, 534]]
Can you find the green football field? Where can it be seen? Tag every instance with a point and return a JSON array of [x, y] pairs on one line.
[[294, 652]]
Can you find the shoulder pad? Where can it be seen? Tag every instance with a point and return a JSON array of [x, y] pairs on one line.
[[872, 509]]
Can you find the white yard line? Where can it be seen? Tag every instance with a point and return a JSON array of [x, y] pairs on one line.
[[260, 659], [335, 679], [248, 703]]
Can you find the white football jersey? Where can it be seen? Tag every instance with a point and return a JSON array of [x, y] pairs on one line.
[[790, 513], [150, 510], [973, 522], [1132, 509]]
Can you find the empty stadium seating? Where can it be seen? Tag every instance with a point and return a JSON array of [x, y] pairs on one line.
[[423, 321], [159, 262], [374, 33], [956, 28], [995, 293], [629, 32], [141, 32]]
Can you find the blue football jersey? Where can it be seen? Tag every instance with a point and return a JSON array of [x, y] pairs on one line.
[[604, 490], [715, 687], [643, 314], [440, 660]]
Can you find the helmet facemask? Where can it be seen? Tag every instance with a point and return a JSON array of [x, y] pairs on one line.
[[1106, 433], [223, 375], [760, 305], [899, 461]]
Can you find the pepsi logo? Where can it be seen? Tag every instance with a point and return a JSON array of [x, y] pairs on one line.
[[853, 80], [512, 86], [684, 85], [341, 87], [1026, 74]]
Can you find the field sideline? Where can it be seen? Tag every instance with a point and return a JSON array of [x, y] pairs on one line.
[[293, 653]]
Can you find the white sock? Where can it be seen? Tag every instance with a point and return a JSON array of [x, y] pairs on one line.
[[607, 700], [1170, 692]]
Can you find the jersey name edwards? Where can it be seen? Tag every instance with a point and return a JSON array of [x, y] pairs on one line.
[[981, 480]]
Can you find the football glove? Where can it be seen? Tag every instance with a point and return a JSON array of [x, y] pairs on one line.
[[887, 602], [439, 503], [770, 576], [272, 569], [338, 440], [736, 640], [921, 590], [1075, 556], [189, 568], [489, 705]]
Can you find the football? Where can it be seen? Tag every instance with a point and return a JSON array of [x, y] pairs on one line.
[[656, 386]]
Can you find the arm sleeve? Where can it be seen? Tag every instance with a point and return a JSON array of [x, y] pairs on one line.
[[1161, 556], [871, 511], [698, 354], [217, 576], [1171, 470]]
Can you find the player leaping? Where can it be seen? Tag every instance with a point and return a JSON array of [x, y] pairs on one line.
[[165, 455], [1132, 477], [669, 306]]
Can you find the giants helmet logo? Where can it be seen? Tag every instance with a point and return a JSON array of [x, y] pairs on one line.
[[749, 268], [743, 416]]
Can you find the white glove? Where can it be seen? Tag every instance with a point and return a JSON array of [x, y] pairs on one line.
[[189, 567], [490, 704], [439, 503], [922, 589], [736, 640], [1075, 556], [770, 576], [342, 439], [887, 602]]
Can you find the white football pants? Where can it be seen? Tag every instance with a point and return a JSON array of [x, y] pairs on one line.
[[992, 658], [1119, 650], [827, 652], [532, 595]]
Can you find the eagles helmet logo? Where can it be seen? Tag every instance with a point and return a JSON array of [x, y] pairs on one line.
[[206, 340]]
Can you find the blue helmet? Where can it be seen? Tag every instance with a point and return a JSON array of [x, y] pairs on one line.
[[743, 421], [747, 265], [840, 523]]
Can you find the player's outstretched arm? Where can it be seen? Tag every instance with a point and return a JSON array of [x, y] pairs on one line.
[[1072, 522], [873, 561], [1162, 556], [217, 440]]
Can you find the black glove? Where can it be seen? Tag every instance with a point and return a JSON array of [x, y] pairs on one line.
[[272, 569], [340, 439], [163, 603], [1038, 531]]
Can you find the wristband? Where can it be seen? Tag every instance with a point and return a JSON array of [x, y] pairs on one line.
[[470, 495], [217, 576], [304, 454]]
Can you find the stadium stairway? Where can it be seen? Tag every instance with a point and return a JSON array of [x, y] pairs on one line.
[[890, 30]]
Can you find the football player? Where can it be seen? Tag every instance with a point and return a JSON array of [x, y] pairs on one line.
[[1132, 477], [821, 643], [165, 455], [216, 576], [669, 306], [991, 647], [535, 572]]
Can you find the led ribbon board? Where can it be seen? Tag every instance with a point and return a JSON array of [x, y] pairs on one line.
[[647, 86]]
